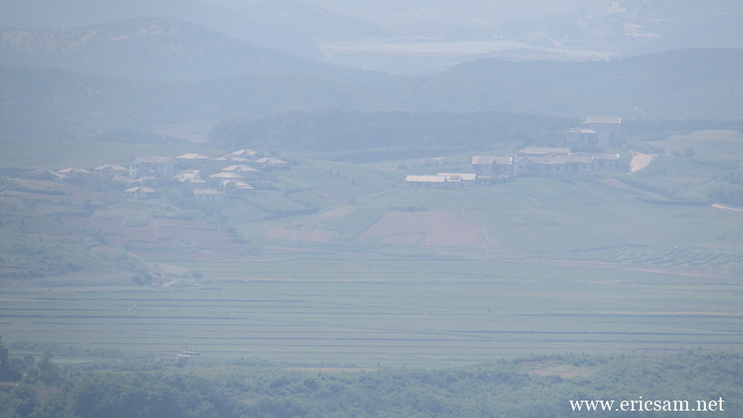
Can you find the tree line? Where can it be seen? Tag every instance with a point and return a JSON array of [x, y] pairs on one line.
[[498, 389]]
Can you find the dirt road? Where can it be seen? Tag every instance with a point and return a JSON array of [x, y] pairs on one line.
[[640, 161]]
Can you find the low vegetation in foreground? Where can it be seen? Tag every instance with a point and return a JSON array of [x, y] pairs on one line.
[[535, 387]]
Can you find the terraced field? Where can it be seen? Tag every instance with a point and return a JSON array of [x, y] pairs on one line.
[[368, 311]]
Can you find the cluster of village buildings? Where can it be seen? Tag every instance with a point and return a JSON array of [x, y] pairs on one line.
[[595, 133], [238, 168], [241, 166]]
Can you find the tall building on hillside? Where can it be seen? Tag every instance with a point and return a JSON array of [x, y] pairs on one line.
[[607, 131]]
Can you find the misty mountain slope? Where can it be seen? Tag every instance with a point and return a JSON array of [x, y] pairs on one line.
[[695, 83], [330, 131], [293, 26], [59, 104], [150, 48], [685, 84]]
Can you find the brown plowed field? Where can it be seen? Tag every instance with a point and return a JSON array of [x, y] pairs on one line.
[[430, 228]]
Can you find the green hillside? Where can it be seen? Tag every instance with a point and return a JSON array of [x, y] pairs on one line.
[[661, 215], [580, 218]]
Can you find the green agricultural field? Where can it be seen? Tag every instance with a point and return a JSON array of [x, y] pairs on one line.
[[336, 263], [360, 311]]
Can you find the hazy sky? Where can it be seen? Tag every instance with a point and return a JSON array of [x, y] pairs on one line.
[[70, 13], [394, 12]]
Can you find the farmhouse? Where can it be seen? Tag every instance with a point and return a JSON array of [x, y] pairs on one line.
[[503, 166], [243, 153], [582, 138], [152, 166], [542, 152], [464, 179], [579, 164], [231, 159], [425, 181], [140, 192], [235, 185], [272, 162], [483, 166], [549, 166], [193, 157], [523, 165], [226, 175], [544, 162], [190, 177], [487, 167], [110, 169], [605, 162], [70, 172], [239, 155], [442, 180], [242, 170], [552, 166]]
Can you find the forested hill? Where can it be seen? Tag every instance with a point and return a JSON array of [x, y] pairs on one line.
[[331, 131], [151, 48], [684, 84], [423, 133]]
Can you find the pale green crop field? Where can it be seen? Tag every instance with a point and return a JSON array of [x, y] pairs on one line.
[[404, 312]]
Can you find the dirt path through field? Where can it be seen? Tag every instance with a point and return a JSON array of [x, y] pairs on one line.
[[640, 161]]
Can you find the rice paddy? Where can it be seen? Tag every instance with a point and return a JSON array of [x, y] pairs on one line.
[[355, 311]]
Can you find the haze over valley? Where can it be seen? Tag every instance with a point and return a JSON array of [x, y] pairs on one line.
[[305, 203]]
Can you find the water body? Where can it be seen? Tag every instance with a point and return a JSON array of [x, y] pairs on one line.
[[457, 48]]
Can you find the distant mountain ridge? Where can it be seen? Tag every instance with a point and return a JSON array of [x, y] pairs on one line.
[[155, 73], [680, 84], [290, 25], [148, 48], [690, 84]]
